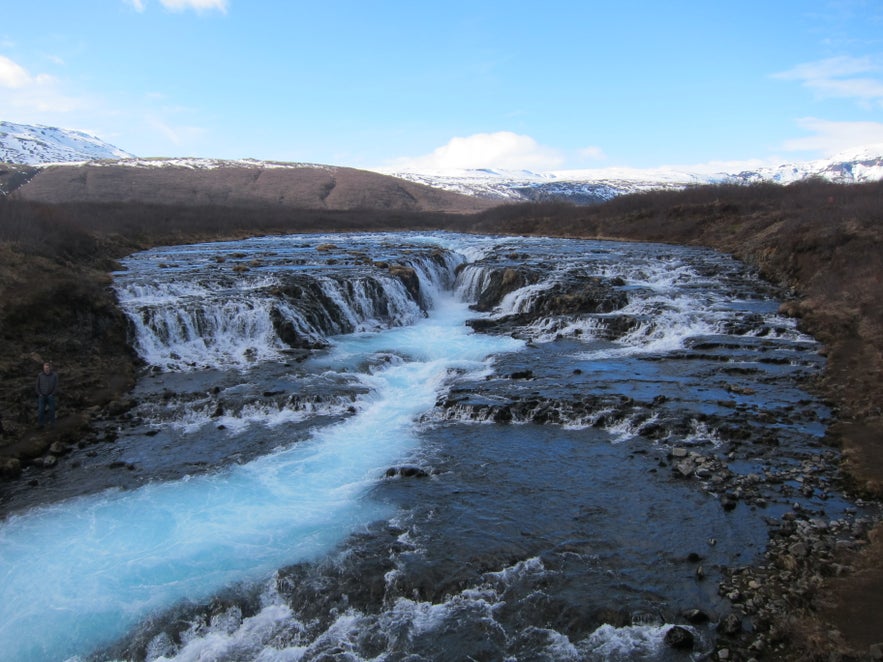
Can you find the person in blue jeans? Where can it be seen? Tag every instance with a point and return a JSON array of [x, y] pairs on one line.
[[47, 388]]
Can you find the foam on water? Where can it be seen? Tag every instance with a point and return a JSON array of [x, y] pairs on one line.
[[78, 574]]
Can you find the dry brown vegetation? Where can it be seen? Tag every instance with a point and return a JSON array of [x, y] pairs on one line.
[[824, 242], [230, 185]]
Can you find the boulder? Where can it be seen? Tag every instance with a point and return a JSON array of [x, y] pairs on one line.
[[679, 638]]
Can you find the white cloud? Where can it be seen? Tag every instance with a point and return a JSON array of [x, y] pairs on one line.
[[27, 95], [830, 137], [841, 77], [834, 67], [183, 5], [501, 150], [12, 74], [197, 5]]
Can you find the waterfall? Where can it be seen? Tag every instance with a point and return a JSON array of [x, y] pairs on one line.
[[246, 317]]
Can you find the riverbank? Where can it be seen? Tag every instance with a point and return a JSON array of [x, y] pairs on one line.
[[821, 242]]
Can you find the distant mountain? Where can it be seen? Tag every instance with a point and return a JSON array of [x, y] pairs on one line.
[[110, 174], [591, 186], [37, 145]]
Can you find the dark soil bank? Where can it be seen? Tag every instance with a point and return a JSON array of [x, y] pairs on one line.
[[822, 242]]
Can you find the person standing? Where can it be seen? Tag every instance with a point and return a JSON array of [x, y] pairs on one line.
[[47, 387]]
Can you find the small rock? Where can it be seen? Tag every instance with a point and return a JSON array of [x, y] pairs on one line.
[[406, 472], [730, 625], [723, 654], [875, 652], [684, 469], [798, 549], [58, 448]]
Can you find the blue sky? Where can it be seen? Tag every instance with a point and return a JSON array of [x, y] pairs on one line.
[[544, 86]]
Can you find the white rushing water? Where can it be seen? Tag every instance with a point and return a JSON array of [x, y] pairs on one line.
[[78, 574]]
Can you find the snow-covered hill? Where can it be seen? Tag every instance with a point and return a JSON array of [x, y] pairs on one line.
[[38, 145], [586, 186]]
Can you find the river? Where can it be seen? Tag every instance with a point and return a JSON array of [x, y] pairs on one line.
[[422, 447]]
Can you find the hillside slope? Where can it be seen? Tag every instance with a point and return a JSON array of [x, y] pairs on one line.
[[239, 184]]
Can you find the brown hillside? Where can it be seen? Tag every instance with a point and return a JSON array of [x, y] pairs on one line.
[[235, 185]]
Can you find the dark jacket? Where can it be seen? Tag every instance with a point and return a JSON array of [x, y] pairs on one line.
[[47, 384]]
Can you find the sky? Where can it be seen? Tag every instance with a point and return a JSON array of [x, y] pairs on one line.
[[419, 85]]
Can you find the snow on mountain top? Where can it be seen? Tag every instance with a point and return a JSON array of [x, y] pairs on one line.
[[195, 163], [863, 164], [40, 145], [866, 153]]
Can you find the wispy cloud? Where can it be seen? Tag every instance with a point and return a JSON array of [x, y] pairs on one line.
[[199, 6], [196, 5], [843, 77], [504, 150], [592, 153], [829, 137], [176, 135]]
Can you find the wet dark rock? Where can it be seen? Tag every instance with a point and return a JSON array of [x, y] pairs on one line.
[[729, 503], [569, 298], [696, 616], [521, 374], [679, 638], [409, 278], [406, 472], [502, 282]]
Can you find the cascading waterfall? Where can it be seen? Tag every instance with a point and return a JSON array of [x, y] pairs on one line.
[[289, 375]]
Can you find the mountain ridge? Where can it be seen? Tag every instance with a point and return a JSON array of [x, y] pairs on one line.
[[47, 148], [859, 165]]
